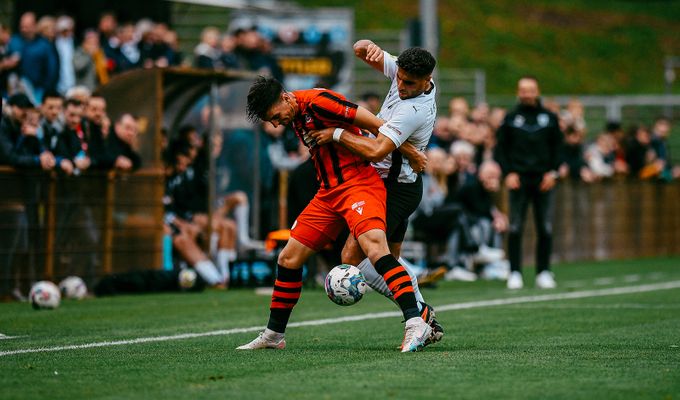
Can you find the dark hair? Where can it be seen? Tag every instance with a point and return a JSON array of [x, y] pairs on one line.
[[184, 131], [263, 94], [416, 61], [73, 102], [612, 126], [52, 94]]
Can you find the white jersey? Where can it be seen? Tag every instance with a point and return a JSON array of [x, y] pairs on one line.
[[411, 119]]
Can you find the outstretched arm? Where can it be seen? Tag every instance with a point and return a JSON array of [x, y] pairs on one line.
[[370, 53]]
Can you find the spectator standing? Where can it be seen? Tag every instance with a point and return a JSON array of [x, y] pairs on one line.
[[7, 61], [66, 48], [574, 164], [90, 62], [38, 66], [19, 145], [660, 133], [207, 54], [529, 152]]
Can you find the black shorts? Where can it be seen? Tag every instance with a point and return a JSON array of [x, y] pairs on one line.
[[402, 201]]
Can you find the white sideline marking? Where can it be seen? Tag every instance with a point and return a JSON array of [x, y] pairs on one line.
[[362, 317], [5, 337]]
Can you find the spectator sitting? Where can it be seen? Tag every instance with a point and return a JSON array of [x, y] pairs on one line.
[[441, 135], [464, 154], [436, 218], [484, 223], [38, 66], [458, 106], [184, 198], [17, 127]]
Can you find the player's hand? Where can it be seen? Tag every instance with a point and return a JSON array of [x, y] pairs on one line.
[[374, 53], [418, 161], [512, 181], [322, 136], [548, 181]]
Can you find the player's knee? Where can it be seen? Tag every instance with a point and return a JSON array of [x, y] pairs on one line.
[[350, 256], [288, 259]]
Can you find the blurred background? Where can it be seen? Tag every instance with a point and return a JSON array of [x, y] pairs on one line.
[[152, 96]]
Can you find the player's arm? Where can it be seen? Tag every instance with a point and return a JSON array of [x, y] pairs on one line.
[[370, 53]]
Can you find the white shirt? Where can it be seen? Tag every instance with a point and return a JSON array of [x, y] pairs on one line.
[[411, 119], [67, 74]]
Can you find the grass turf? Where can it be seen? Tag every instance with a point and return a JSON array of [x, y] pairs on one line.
[[621, 346]]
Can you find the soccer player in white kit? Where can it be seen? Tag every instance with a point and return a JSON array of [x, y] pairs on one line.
[[409, 112]]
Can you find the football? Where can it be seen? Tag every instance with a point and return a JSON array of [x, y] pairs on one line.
[[73, 287], [345, 285], [44, 295], [187, 279]]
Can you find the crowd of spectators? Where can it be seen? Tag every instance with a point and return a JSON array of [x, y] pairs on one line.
[[462, 168], [53, 121], [45, 55]]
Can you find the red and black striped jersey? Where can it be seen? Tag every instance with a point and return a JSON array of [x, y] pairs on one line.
[[319, 109]]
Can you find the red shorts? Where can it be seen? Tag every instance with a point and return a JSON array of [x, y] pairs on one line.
[[358, 203]]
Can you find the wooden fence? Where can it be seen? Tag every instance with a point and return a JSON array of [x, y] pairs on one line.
[[94, 224]]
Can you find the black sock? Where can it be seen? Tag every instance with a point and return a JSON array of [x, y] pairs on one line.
[[399, 283], [287, 289]]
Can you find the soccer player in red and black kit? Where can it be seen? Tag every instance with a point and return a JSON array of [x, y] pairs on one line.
[[351, 193]]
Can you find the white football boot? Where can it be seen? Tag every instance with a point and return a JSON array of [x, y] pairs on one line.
[[267, 339], [515, 280], [416, 333], [545, 280]]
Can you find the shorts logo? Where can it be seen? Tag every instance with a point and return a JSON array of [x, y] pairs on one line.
[[294, 225], [359, 207]]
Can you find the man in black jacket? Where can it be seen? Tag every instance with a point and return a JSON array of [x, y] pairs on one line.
[[19, 147], [529, 144]]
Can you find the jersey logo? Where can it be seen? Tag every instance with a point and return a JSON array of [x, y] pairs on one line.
[[394, 128], [414, 108], [359, 207], [519, 121], [543, 120]]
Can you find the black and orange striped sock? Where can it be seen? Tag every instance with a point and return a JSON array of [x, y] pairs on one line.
[[287, 289], [399, 283]]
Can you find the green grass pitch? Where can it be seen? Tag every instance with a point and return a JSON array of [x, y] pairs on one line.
[[623, 346]]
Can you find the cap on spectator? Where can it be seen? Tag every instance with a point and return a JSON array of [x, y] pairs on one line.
[[20, 100]]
